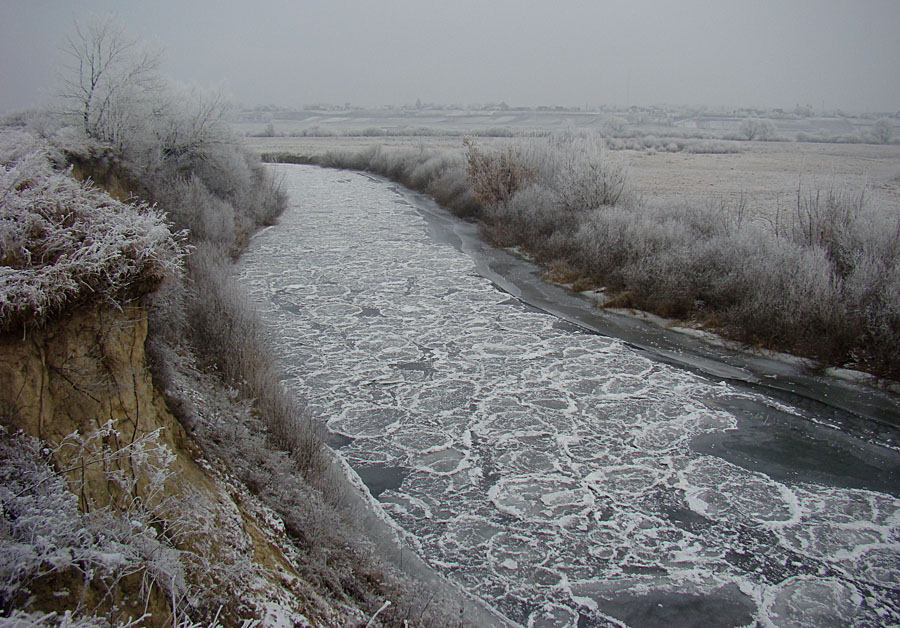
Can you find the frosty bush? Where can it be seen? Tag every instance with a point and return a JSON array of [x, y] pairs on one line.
[[757, 129], [882, 131], [63, 240], [710, 147], [229, 332], [191, 206], [495, 177], [579, 170], [823, 282], [45, 535]]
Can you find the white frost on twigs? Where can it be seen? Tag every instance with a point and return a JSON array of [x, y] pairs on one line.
[[61, 239]]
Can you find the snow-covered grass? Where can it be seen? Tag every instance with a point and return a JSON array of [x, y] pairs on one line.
[[49, 540], [65, 240], [153, 546]]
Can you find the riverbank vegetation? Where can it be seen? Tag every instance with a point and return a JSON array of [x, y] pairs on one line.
[[820, 279], [134, 196]]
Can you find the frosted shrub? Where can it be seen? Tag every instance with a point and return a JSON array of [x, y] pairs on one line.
[[579, 170], [882, 131], [63, 240], [831, 221], [831, 296], [266, 199], [711, 147], [430, 168], [628, 249], [616, 127], [229, 332], [216, 191], [603, 243], [872, 291], [191, 206], [757, 129], [495, 177], [530, 195], [447, 184], [532, 215], [45, 534], [791, 298], [186, 125]]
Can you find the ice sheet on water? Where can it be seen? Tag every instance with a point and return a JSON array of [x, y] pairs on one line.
[[719, 490], [855, 531], [366, 422], [812, 603], [543, 499], [553, 616]]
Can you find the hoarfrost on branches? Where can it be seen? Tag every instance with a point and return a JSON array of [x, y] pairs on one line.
[[43, 531], [62, 240]]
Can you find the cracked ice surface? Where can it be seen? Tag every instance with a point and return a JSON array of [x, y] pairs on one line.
[[545, 470]]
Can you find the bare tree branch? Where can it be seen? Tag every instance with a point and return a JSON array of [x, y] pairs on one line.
[[108, 76]]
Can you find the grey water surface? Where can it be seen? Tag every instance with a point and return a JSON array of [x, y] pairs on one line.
[[567, 476]]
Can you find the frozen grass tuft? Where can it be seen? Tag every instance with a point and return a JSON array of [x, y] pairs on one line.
[[48, 539], [63, 240]]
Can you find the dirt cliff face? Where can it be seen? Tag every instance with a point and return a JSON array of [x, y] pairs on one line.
[[80, 373], [87, 373]]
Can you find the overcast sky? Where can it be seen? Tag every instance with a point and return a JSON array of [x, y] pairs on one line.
[[770, 53]]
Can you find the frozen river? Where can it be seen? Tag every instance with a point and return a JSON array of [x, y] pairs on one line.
[[565, 477]]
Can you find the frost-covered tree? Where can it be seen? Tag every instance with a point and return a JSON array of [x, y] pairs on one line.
[[187, 126], [882, 131], [756, 129], [109, 82]]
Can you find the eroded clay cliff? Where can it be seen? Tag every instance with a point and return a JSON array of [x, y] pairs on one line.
[[82, 386]]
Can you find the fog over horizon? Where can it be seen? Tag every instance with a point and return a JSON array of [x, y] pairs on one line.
[[825, 54]]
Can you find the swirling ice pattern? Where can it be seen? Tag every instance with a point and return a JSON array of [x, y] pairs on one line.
[[547, 471]]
